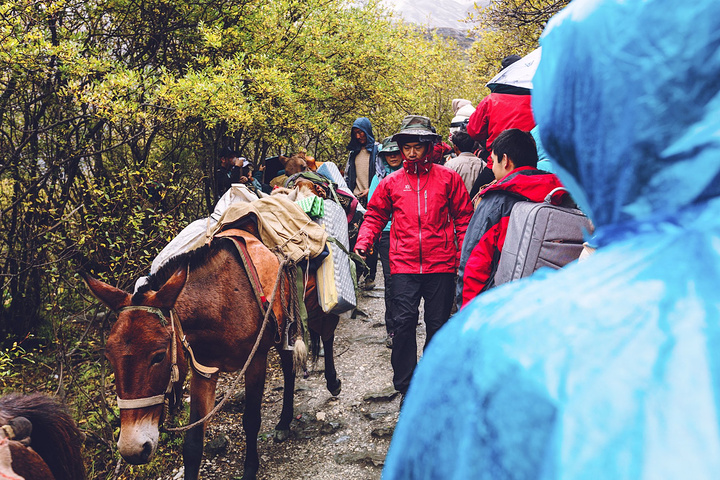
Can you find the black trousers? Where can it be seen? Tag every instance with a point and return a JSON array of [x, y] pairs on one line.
[[437, 289], [384, 253], [372, 261]]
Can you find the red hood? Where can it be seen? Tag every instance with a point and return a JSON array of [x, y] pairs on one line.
[[529, 182]]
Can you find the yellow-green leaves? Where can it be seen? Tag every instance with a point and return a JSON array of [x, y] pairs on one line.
[[505, 27]]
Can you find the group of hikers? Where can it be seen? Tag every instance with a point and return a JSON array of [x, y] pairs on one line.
[[604, 369], [434, 241], [515, 372]]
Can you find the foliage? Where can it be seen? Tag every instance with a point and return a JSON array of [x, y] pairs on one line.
[[13, 360], [111, 114], [505, 27]]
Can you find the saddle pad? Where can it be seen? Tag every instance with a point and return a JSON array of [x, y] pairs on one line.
[[335, 222], [266, 266]]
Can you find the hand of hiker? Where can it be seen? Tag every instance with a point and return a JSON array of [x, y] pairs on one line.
[[361, 252]]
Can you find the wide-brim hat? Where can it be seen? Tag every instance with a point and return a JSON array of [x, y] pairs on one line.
[[416, 127], [388, 146]]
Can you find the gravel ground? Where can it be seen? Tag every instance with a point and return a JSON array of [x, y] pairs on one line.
[[332, 438]]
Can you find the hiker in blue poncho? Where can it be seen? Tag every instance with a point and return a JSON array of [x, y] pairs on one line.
[[607, 369]]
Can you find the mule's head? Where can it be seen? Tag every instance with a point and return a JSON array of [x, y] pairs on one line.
[[139, 349], [295, 164]]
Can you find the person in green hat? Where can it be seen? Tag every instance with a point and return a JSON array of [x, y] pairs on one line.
[[390, 161], [430, 211]]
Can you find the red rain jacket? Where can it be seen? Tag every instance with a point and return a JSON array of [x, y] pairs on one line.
[[498, 112], [430, 213], [488, 227]]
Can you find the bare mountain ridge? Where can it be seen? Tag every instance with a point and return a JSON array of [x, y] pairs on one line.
[[446, 14], [443, 16]]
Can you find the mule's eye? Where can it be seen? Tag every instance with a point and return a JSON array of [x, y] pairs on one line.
[[158, 358]]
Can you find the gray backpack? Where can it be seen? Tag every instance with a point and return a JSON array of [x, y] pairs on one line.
[[541, 235]]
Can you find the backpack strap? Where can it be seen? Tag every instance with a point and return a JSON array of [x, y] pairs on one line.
[[560, 197]]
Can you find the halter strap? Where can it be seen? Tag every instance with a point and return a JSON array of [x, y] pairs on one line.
[[7, 431], [140, 402], [176, 333]]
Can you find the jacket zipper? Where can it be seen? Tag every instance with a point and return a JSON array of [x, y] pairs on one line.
[[419, 223]]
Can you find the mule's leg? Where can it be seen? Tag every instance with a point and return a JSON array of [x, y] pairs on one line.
[[202, 400], [333, 382], [254, 387], [282, 429]]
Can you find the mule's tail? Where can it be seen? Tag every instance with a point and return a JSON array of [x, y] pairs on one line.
[[55, 437], [300, 356], [315, 346]]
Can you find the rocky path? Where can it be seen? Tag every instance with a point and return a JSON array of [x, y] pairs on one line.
[[333, 438]]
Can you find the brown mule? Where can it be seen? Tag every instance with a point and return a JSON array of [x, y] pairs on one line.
[[212, 295], [54, 450]]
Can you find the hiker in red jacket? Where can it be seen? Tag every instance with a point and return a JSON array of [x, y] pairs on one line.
[[506, 107], [430, 211], [514, 164]]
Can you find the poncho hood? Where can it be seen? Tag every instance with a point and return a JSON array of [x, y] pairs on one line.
[[625, 90], [607, 368]]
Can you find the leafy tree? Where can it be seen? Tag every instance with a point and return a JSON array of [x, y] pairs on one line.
[[505, 27], [111, 114]]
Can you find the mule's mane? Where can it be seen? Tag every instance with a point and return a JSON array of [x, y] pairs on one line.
[[55, 437], [192, 260]]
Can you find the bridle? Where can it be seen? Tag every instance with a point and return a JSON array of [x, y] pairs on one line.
[[207, 372], [176, 333]]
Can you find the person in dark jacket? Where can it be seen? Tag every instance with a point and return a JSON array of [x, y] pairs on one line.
[[430, 211], [359, 172], [229, 171], [391, 159], [360, 167], [514, 164]]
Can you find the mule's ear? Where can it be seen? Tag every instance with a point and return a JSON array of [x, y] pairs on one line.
[[112, 297], [168, 293], [283, 159]]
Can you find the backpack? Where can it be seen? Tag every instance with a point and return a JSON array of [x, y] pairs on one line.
[[545, 234]]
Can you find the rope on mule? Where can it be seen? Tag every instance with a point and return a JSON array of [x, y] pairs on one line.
[[231, 389]]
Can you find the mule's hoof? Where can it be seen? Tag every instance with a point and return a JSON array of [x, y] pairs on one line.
[[335, 390], [281, 435]]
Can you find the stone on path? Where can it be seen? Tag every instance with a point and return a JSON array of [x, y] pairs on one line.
[[387, 393]]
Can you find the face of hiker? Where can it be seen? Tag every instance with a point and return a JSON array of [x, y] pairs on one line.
[[226, 162], [359, 135], [393, 159], [414, 151]]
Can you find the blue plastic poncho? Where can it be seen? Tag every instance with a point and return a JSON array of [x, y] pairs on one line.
[[609, 368]]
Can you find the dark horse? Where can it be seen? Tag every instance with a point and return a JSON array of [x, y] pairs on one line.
[[54, 450], [212, 295]]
